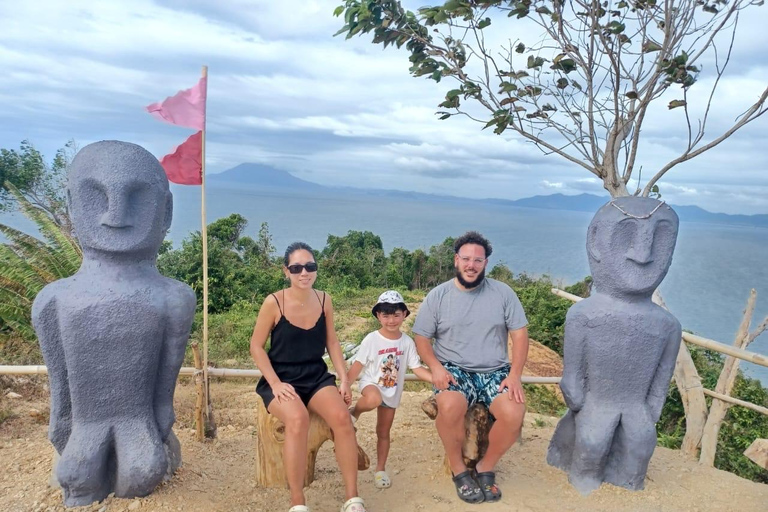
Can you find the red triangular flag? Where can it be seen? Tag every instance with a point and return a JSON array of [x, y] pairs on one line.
[[184, 164], [185, 108]]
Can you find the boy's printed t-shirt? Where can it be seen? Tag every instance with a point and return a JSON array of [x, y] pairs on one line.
[[384, 364]]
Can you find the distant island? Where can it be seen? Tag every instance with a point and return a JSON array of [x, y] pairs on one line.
[[256, 176]]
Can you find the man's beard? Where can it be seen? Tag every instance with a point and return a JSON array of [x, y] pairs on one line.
[[470, 284]]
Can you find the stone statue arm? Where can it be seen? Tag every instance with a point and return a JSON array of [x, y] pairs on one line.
[[657, 394], [573, 383], [46, 323], [181, 312]]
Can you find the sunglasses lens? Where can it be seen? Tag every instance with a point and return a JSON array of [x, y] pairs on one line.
[[296, 268]]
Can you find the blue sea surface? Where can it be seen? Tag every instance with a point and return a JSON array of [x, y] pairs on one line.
[[712, 273]]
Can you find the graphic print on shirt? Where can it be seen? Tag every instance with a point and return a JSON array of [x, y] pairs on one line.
[[389, 366]]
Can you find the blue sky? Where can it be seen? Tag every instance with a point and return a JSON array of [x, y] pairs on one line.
[[283, 92]]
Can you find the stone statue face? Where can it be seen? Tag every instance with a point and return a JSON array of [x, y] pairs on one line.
[[119, 198], [630, 245]]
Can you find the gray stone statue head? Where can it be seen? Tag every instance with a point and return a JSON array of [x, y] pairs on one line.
[[119, 199], [630, 243]]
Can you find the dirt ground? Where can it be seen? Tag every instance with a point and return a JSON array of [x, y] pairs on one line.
[[218, 475]]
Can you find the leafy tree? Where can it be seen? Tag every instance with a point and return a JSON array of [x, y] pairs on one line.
[[234, 275], [27, 264], [585, 86], [439, 265], [41, 184], [356, 259], [399, 268], [418, 263]]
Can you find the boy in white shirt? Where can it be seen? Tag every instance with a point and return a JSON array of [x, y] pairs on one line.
[[380, 362]]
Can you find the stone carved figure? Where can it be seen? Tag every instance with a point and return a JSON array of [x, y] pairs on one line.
[[620, 349], [114, 334]]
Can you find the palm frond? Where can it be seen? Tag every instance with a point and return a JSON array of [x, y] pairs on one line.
[[28, 263]]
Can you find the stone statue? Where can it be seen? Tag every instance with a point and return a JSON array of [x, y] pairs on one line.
[[620, 349], [114, 334]]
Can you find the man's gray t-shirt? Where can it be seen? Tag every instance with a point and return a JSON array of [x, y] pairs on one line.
[[470, 327]]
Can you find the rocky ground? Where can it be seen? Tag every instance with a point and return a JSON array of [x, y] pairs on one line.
[[218, 475]]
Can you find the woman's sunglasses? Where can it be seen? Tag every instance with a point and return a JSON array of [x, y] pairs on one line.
[[297, 268]]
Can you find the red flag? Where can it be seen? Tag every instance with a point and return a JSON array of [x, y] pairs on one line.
[[184, 164], [186, 108]]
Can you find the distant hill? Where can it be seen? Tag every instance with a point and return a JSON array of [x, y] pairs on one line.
[[577, 203], [261, 176], [591, 202], [250, 175]]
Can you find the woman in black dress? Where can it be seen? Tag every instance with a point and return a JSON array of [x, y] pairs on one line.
[[295, 379]]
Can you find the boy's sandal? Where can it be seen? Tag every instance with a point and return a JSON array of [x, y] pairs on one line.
[[467, 488], [355, 504], [298, 508], [381, 480], [487, 482]]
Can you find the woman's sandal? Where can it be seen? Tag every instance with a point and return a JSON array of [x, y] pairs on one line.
[[381, 480], [298, 508], [354, 505], [487, 482], [467, 488]]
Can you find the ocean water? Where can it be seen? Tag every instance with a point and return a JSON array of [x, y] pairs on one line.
[[713, 270]]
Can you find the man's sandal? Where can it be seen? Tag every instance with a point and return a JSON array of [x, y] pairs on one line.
[[467, 488], [487, 482], [354, 505], [381, 480], [298, 508]]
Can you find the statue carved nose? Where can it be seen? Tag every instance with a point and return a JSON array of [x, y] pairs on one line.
[[642, 248], [117, 214]]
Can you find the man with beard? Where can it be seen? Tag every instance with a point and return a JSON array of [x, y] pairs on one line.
[[469, 318]]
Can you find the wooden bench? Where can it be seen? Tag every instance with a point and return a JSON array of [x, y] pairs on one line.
[[270, 437]]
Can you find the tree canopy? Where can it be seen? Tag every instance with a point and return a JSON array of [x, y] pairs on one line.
[[577, 78], [40, 183]]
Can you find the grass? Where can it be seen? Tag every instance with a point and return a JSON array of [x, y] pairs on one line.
[[6, 414]]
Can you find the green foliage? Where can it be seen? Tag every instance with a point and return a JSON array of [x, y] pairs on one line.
[[27, 264], [354, 260], [543, 400], [545, 311], [240, 269], [40, 183], [740, 427], [6, 414], [229, 334]]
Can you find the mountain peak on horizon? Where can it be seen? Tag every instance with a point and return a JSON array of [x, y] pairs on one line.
[[251, 173]]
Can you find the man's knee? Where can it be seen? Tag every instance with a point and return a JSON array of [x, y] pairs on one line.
[[508, 411], [451, 405]]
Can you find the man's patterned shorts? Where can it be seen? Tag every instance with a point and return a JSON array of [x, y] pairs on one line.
[[477, 387]]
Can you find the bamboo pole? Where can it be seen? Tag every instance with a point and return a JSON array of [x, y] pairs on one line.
[[725, 382], [204, 232], [722, 348], [232, 373], [198, 374], [736, 401], [729, 350]]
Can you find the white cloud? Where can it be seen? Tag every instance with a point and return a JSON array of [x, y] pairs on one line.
[[285, 93]]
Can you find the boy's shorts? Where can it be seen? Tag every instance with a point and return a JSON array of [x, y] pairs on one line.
[[364, 384], [477, 387]]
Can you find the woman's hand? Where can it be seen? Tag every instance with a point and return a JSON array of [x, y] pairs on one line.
[[346, 392], [284, 391]]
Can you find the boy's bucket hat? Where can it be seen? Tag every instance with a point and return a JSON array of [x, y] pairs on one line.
[[390, 297]]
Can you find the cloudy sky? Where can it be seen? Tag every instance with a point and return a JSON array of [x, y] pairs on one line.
[[283, 92]]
